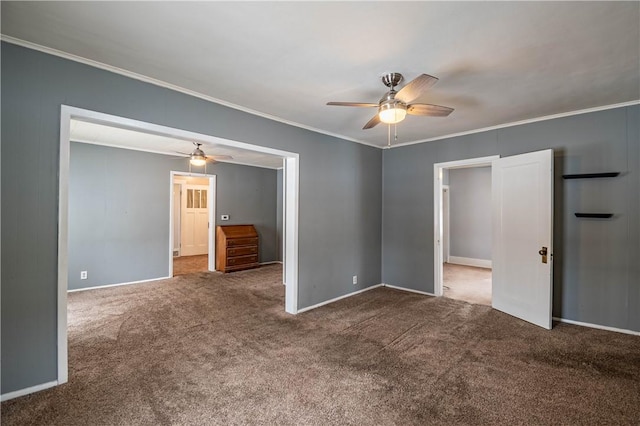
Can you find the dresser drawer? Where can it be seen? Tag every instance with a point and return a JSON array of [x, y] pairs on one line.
[[242, 260], [242, 251], [231, 242]]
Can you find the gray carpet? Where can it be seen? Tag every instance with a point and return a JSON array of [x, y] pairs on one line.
[[218, 349]]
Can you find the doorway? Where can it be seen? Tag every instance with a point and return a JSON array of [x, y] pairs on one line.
[[462, 265], [289, 160], [193, 204], [467, 234]]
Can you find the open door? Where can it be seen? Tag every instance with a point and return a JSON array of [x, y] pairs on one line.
[[522, 187]]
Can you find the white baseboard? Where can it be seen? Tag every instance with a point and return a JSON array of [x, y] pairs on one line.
[[410, 290], [599, 327], [335, 299], [273, 262], [468, 261], [119, 284], [26, 391]]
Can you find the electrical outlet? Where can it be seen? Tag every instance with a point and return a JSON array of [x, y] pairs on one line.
[[355, 279], [83, 275], [224, 217]]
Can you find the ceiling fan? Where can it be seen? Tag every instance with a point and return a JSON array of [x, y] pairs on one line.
[[199, 158], [395, 105]]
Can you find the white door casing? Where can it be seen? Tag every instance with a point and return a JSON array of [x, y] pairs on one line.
[[194, 219], [522, 198], [438, 228], [445, 223], [177, 206]]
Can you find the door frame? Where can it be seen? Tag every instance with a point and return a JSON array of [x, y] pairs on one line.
[[175, 220], [438, 171], [291, 163], [446, 230], [211, 217]]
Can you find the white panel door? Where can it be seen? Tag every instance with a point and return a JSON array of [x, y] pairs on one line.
[[522, 283], [194, 220]]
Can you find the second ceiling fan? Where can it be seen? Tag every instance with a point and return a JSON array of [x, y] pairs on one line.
[[395, 105]]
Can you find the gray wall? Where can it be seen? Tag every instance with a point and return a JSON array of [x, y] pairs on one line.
[[340, 193], [119, 211], [249, 196], [470, 212], [596, 266]]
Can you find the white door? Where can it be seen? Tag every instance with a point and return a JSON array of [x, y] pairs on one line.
[[194, 229], [522, 281]]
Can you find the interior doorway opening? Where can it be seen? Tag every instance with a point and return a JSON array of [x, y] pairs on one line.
[[192, 219], [288, 160], [462, 222]]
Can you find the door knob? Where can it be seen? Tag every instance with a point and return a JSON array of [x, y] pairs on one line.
[[543, 252]]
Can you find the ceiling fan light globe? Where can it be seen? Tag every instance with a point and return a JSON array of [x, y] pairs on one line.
[[392, 114], [198, 160]]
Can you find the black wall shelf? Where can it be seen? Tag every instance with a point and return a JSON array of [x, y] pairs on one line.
[[591, 175], [595, 215]]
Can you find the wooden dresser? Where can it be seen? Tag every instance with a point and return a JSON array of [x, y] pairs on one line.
[[236, 248]]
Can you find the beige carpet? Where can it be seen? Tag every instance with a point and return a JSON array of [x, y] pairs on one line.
[[467, 283], [213, 349], [189, 264]]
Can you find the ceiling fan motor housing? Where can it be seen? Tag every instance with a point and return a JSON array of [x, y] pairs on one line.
[[392, 79]]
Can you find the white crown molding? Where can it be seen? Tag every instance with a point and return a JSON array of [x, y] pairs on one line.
[[164, 84], [521, 122], [156, 82]]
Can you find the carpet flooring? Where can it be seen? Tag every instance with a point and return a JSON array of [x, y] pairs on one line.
[[467, 283], [214, 349], [190, 264]]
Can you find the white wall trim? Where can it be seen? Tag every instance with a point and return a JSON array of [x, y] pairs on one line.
[[468, 261], [521, 122], [272, 262], [150, 280], [597, 326], [26, 391], [156, 82], [438, 170], [164, 84], [410, 290], [335, 299]]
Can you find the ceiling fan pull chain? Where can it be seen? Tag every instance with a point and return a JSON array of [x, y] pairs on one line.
[[389, 136], [395, 132]]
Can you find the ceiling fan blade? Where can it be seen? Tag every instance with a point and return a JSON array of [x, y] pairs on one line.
[[415, 87], [220, 157], [352, 104], [372, 123], [429, 110]]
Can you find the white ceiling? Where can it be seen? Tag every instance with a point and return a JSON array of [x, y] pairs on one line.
[[498, 62], [100, 134]]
